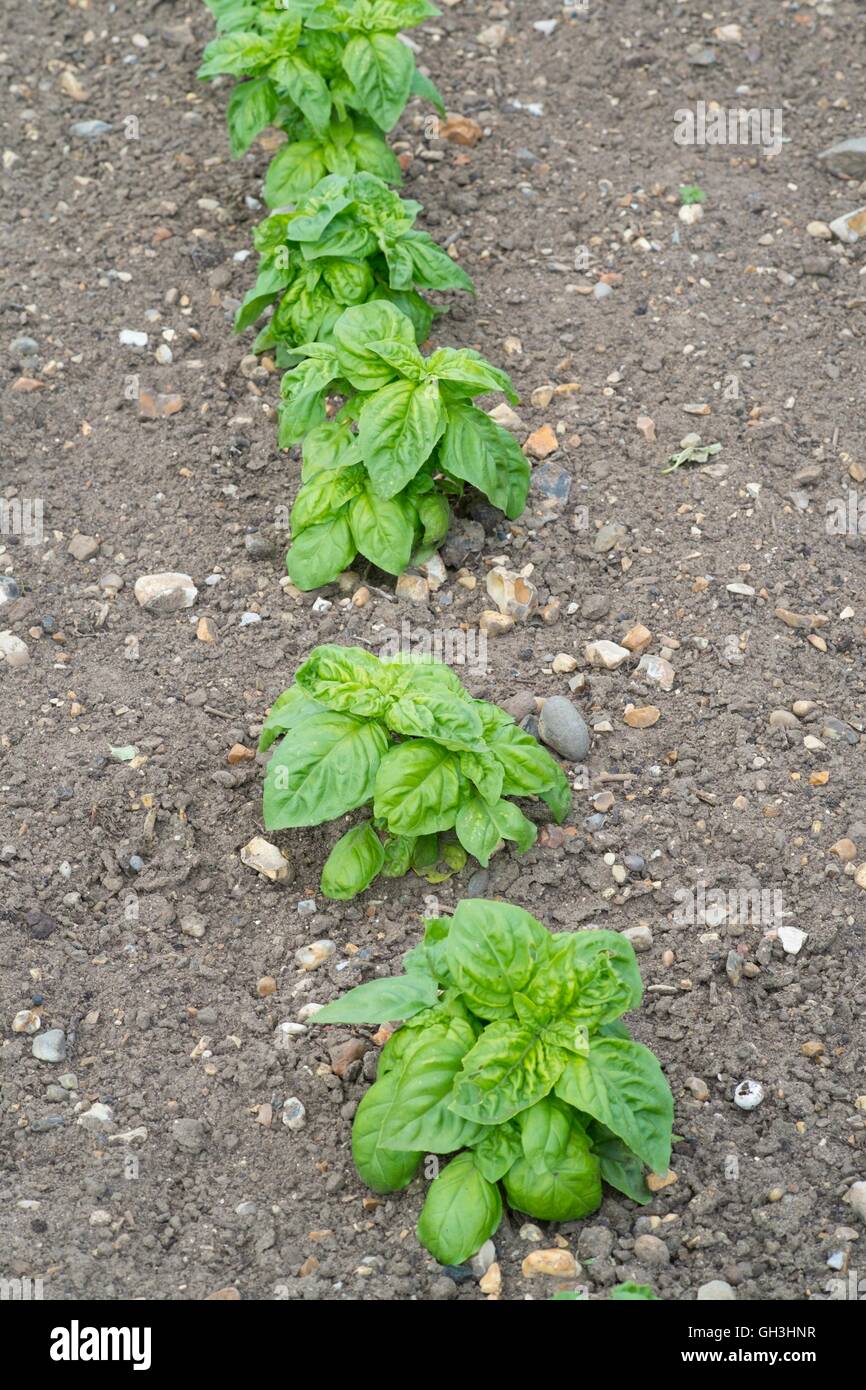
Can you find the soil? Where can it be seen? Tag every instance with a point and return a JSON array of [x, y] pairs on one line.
[[118, 232]]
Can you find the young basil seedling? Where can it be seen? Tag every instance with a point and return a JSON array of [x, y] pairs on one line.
[[406, 738], [512, 1057], [348, 241], [334, 76], [384, 490]]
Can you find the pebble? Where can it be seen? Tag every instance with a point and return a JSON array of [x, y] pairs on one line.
[[656, 669], [650, 1250], [734, 967], [542, 442], [607, 655], [491, 1282], [27, 1021], [608, 536], [717, 1290], [856, 1198], [312, 956], [50, 1046], [563, 663], [792, 939], [635, 863], [13, 651], [530, 1232], [481, 1262], [90, 130], [165, 592], [267, 860], [844, 849], [8, 589], [562, 728], [698, 1087], [99, 1119], [782, 719], [819, 230], [294, 1114], [637, 638], [128, 337], [847, 158], [560, 1264], [748, 1095], [641, 937], [601, 290], [643, 717]]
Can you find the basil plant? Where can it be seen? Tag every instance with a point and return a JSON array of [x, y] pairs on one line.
[[404, 738], [512, 1057]]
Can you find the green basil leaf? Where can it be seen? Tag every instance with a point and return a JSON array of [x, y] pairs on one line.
[[353, 863], [359, 327], [481, 827], [288, 711], [394, 14], [403, 357], [380, 68], [485, 773], [463, 367], [306, 88], [381, 1001], [421, 1118], [238, 54], [545, 1129], [478, 450], [564, 1188], [372, 154], [324, 495], [436, 713], [263, 292], [509, 1068], [588, 979], [399, 428], [433, 269], [328, 768], [328, 446], [398, 855], [423, 87], [630, 1292], [383, 531], [528, 769], [295, 169], [348, 679], [497, 1150], [621, 1084], [558, 796], [493, 950], [382, 1169], [350, 282], [620, 1168], [434, 515], [412, 306], [462, 1210], [320, 553], [252, 106], [418, 788]]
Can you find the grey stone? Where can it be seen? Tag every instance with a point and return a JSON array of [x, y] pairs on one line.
[[165, 592], [562, 728], [50, 1046], [717, 1290], [8, 589], [190, 1135], [847, 158], [90, 130], [651, 1251], [609, 536]]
